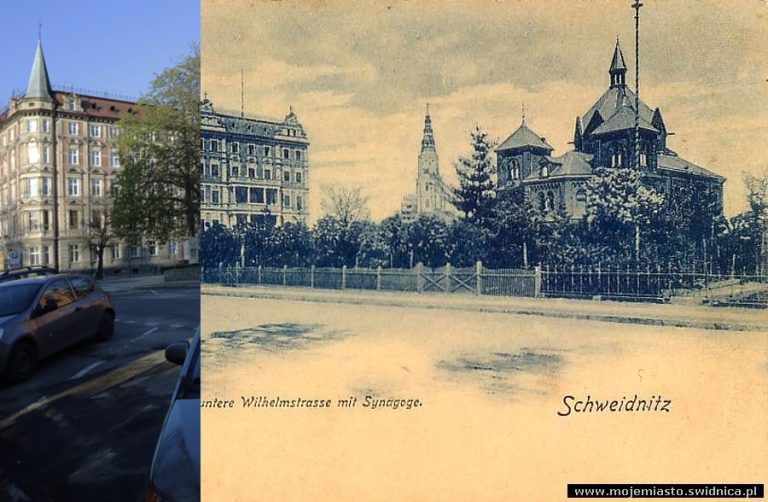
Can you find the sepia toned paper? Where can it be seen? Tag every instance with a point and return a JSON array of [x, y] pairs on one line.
[[484, 383]]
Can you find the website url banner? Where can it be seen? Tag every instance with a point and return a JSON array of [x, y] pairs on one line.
[[682, 491]]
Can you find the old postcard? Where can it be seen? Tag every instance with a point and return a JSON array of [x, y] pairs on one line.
[[484, 250]]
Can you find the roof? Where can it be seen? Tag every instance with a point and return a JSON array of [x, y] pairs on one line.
[[524, 137], [38, 86], [94, 106], [623, 118], [571, 163], [672, 162], [611, 100], [617, 63]]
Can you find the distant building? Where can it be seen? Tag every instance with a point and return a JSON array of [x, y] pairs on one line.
[[58, 165], [253, 169], [433, 196], [603, 137]]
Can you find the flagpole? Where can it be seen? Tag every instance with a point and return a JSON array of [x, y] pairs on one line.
[[636, 159]]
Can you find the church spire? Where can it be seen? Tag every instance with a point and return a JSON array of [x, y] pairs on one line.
[[428, 140], [39, 85], [618, 69]]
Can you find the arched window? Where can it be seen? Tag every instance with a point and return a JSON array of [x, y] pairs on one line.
[[544, 170], [542, 201], [550, 201], [515, 169]]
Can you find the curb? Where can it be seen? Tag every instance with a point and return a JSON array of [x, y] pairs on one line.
[[390, 302]]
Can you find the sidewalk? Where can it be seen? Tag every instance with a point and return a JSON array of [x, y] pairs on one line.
[[151, 281], [687, 316]]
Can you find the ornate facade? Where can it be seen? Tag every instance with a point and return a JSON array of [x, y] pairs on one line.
[[252, 169], [58, 166], [603, 137]]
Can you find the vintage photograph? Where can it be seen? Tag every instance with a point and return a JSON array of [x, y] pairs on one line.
[[99, 233], [482, 250]]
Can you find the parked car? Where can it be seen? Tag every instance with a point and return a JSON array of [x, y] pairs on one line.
[[175, 472], [25, 272], [40, 316]]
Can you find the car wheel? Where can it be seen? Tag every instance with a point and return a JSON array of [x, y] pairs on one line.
[[21, 362], [106, 326]]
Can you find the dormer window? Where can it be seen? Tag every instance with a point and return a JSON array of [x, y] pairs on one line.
[[545, 171], [71, 105]]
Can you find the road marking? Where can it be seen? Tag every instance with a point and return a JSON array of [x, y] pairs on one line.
[[149, 331], [85, 370]]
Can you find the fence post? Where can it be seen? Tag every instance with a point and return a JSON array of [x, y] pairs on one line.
[[312, 276], [258, 275], [447, 277], [378, 278], [537, 281], [479, 280], [285, 275], [419, 270], [343, 277]]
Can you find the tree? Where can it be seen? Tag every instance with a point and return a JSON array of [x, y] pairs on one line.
[[159, 150], [619, 207], [476, 188], [221, 246], [100, 237], [512, 225], [428, 238], [347, 205]]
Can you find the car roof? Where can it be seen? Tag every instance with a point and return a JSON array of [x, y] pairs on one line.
[[40, 279]]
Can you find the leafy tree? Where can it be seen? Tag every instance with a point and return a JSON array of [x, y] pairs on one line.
[[291, 244], [428, 238], [468, 243], [476, 187], [220, 245], [159, 150], [512, 224], [394, 234], [100, 237]]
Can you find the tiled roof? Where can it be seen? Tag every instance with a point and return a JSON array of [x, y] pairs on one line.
[[611, 100], [677, 164], [97, 107], [523, 137], [623, 118], [571, 163]]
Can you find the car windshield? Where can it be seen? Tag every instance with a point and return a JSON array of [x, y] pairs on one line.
[[16, 298]]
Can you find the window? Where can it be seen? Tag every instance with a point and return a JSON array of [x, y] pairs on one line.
[[95, 219], [74, 253], [82, 286], [136, 252], [256, 196], [286, 153], [71, 104], [297, 155], [214, 145], [34, 221], [266, 151], [59, 292], [173, 247], [46, 125], [114, 188], [73, 219], [72, 128], [298, 176], [234, 147], [113, 132], [96, 158], [251, 172], [46, 155], [32, 125], [299, 202], [286, 200], [46, 186], [152, 247], [581, 195], [33, 153], [542, 203], [73, 155], [286, 176], [544, 171], [251, 149], [114, 159], [616, 159], [46, 255], [550, 201], [96, 190], [271, 195], [267, 174], [33, 187], [95, 131], [234, 171], [116, 252], [643, 160], [215, 197], [73, 187], [214, 170], [241, 195]]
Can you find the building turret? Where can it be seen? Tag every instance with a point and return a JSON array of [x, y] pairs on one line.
[[618, 69], [39, 86]]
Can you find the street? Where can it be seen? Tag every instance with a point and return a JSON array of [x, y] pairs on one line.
[[84, 426], [438, 404]]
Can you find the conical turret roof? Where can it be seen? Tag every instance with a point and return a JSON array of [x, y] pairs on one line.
[[39, 86]]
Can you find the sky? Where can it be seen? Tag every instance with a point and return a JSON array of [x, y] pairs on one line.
[[116, 46], [358, 75]]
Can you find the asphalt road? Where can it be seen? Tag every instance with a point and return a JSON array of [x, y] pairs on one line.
[[84, 426]]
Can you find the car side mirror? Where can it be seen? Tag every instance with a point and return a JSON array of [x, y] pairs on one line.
[[177, 352]]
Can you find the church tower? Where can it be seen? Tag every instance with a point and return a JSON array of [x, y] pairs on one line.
[[428, 173]]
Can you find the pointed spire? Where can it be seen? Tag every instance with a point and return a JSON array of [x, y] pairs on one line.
[[428, 140], [618, 68], [39, 85]]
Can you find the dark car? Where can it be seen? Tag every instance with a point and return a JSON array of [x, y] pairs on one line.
[[40, 316], [175, 472]]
